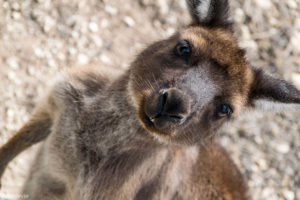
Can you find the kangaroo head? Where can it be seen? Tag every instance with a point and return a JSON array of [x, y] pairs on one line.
[[185, 87]]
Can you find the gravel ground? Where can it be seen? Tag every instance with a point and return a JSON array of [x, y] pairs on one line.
[[39, 38]]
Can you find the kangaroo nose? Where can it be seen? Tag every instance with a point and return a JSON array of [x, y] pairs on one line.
[[169, 105]]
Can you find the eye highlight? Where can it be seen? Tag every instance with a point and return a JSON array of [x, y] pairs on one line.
[[224, 110], [183, 49]]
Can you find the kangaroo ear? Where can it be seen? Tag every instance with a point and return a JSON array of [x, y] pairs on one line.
[[210, 13], [271, 93]]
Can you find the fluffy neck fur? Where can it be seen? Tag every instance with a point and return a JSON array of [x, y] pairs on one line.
[[114, 146], [108, 124]]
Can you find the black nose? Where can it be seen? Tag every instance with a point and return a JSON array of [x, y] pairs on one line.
[[168, 105]]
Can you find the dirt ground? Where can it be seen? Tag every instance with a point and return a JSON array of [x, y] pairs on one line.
[[40, 38]]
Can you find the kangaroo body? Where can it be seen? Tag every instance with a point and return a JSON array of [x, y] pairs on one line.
[[146, 132], [104, 145]]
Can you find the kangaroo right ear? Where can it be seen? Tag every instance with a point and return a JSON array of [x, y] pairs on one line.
[[210, 13], [271, 93]]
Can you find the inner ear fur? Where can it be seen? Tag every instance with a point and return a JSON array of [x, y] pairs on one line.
[[210, 13], [268, 88]]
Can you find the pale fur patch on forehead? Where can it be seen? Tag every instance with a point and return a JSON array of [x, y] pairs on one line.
[[198, 81]]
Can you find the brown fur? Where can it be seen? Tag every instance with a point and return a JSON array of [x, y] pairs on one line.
[[146, 133]]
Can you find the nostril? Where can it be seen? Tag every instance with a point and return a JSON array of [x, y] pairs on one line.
[[162, 102]]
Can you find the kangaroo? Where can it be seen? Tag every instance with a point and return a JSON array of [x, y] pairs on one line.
[[147, 132]]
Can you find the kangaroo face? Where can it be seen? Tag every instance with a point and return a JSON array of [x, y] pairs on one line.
[[185, 87]]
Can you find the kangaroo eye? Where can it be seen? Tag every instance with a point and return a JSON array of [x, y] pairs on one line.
[[224, 110], [183, 49]]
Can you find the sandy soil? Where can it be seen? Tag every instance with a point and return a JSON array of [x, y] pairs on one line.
[[40, 38]]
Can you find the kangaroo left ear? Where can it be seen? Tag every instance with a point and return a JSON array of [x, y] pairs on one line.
[[210, 13], [271, 93]]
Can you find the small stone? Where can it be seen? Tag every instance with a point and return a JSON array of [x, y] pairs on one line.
[[31, 70], [296, 79], [295, 41], [111, 10], [75, 34], [49, 24], [104, 23], [104, 59], [52, 63], [12, 62], [82, 59], [16, 15], [5, 5], [258, 139], [72, 51], [39, 52], [10, 113], [282, 148], [289, 195], [170, 31], [265, 4], [163, 6], [129, 21], [11, 76], [292, 4], [98, 41], [267, 192], [93, 27], [61, 56], [262, 164], [239, 15]]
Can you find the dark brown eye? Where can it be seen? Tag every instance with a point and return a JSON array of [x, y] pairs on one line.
[[183, 49], [224, 110]]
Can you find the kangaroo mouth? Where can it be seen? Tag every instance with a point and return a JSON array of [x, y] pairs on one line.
[[149, 124], [161, 124]]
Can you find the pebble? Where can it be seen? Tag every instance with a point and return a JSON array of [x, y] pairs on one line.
[[289, 195], [265, 4], [170, 31], [39, 52], [75, 34], [111, 10], [12, 62], [31, 70], [82, 59], [239, 15], [16, 15], [93, 27], [129, 21], [282, 147], [49, 24], [292, 4], [267, 192], [296, 79], [52, 63], [295, 41], [97, 40], [105, 59], [104, 23]]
